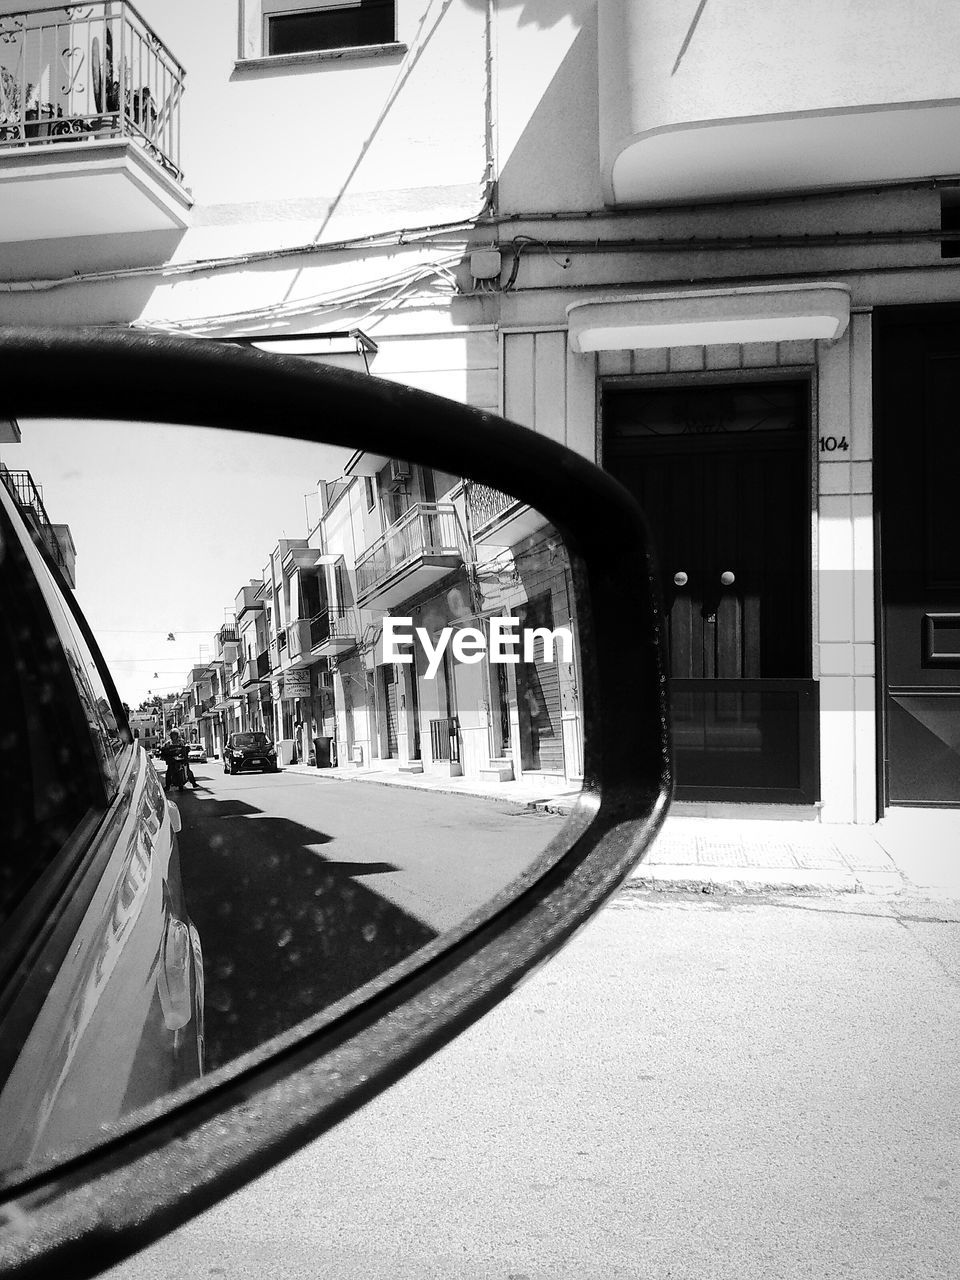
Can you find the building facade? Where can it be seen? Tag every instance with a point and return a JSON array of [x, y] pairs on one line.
[[308, 659], [709, 248]]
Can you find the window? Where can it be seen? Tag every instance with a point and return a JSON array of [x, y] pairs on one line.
[[371, 492], [290, 26], [61, 738]]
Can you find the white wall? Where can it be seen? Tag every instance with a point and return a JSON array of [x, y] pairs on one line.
[[679, 63]]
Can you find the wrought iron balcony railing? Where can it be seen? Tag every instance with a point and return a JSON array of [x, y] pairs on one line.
[[427, 529], [487, 504], [304, 634], [81, 71], [28, 496], [338, 623]]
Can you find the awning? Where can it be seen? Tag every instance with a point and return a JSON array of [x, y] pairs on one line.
[[710, 317]]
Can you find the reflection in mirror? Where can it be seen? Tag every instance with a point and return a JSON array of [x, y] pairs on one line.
[[352, 685]]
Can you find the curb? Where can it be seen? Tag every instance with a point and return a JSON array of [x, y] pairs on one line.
[[564, 809], [738, 881], [664, 877]]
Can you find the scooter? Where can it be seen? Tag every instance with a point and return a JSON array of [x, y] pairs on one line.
[[177, 775]]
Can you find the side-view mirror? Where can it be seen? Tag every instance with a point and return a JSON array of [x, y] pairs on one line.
[[420, 740]]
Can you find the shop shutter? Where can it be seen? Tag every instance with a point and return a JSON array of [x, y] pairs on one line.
[[390, 690]]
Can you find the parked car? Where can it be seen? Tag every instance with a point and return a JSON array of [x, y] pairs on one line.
[[100, 965], [250, 750], [197, 754]]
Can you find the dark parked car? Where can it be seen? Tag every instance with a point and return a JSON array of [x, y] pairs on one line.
[[250, 750]]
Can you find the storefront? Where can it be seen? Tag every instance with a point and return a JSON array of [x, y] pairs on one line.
[[917, 374]]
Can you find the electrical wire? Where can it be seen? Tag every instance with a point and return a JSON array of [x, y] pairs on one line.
[[388, 291]]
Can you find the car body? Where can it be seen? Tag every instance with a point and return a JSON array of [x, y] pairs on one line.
[[197, 754], [100, 965], [249, 750]]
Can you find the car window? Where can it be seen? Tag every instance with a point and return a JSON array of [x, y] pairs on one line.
[[60, 740]]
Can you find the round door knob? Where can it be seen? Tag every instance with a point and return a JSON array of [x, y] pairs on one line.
[[680, 579], [728, 578]]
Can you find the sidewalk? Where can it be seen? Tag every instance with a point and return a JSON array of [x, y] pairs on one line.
[[911, 851]]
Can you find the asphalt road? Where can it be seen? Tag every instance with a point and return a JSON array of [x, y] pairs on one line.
[[696, 1088], [302, 889]]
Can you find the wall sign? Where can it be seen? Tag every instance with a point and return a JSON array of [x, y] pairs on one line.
[[296, 684]]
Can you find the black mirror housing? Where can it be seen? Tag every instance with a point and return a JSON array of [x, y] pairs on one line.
[[97, 1208]]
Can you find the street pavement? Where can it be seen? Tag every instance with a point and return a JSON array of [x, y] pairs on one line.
[[715, 1080], [725, 1087], [302, 893], [910, 850]]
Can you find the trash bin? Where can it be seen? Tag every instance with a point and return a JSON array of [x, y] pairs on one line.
[[321, 746]]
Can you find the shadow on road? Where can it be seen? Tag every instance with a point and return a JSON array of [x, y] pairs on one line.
[[285, 931]]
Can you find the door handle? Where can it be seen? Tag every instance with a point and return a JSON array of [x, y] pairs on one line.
[[680, 578], [728, 578]]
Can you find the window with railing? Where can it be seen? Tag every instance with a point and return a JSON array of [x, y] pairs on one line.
[[70, 73], [427, 529]]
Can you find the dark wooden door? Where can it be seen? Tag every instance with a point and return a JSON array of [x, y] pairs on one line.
[[917, 362], [722, 476]]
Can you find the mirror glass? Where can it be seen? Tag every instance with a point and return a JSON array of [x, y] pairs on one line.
[[352, 684]]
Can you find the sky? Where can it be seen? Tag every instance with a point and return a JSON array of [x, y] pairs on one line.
[[169, 523]]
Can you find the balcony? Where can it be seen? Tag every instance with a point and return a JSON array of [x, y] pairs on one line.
[[696, 106], [249, 599], [88, 93], [234, 689], [254, 671], [334, 630], [296, 651], [331, 631], [498, 519], [226, 643], [56, 537], [422, 546]]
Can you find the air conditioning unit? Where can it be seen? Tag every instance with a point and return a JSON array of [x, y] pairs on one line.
[[325, 679], [399, 470]]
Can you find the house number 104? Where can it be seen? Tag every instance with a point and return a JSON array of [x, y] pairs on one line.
[[830, 444]]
